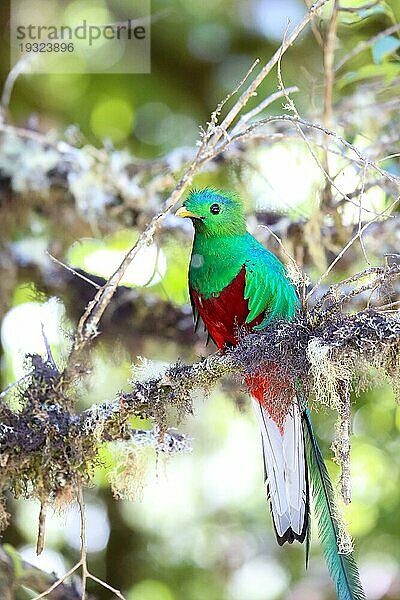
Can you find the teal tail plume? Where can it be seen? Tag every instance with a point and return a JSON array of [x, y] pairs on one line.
[[342, 567]]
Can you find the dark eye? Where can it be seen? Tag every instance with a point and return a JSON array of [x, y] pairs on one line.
[[215, 209]]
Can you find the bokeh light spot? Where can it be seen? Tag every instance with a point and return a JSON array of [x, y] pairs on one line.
[[149, 118], [150, 589], [208, 41], [112, 118]]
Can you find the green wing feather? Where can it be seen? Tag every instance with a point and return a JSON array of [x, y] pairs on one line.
[[268, 288], [342, 567]]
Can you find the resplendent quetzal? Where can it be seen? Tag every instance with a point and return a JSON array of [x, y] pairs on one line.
[[235, 282]]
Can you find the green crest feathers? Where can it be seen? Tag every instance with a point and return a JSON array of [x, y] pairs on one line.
[[212, 194], [216, 213]]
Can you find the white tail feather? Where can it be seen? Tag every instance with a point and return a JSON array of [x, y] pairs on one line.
[[285, 469]]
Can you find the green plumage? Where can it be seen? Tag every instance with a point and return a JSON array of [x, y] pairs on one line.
[[222, 246], [342, 567]]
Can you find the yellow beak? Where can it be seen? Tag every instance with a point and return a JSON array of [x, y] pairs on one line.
[[182, 212]]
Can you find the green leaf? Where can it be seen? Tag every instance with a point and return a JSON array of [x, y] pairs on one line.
[[373, 10], [383, 8], [384, 47], [356, 17], [387, 70]]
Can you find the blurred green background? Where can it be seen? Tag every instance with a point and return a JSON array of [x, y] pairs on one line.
[[199, 528]]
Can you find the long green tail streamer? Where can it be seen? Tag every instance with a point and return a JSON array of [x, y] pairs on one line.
[[342, 567]]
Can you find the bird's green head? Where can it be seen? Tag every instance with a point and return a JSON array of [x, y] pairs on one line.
[[214, 213]]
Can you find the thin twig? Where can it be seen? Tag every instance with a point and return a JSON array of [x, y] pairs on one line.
[[389, 156], [315, 29], [73, 271], [389, 305], [212, 125], [15, 383], [79, 497], [350, 243], [244, 119], [106, 586], [251, 90], [235, 90], [380, 271], [58, 582], [50, 357], [12, 77], [85, 571]]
